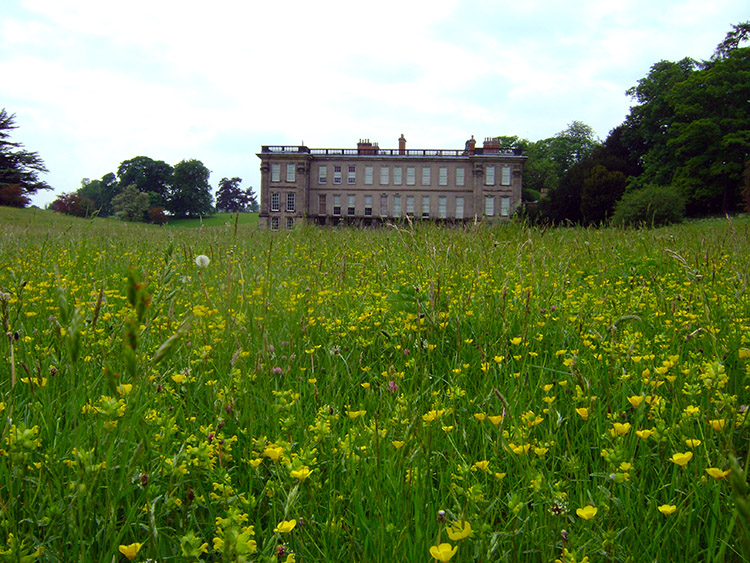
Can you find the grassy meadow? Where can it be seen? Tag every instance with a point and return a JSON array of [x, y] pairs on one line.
[[487, 394]]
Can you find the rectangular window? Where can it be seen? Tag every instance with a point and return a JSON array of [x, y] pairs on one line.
[[368, 206], [397, 205], [290, 223], [442, 207], [275, 202], [504, 206], [323, 175], [443, 177], [411, 175], [351, 178], [410, 205], [350, 205], [489, 176], [337, 174], [384, 205], [425, 176], [290, 176], [397, 175], [460, 176], [290, 203], [425, 207], [276, 172], [368, 175], [459, 207], [384, 173], [489, 205], [506, 176], [322, 204], [337, 205], [274, 223]]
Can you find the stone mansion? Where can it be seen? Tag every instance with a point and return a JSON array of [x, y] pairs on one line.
[[369, 185]]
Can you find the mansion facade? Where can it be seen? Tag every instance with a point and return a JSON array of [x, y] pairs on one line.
[[368, 185]]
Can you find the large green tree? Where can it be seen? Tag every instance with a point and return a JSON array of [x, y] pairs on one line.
[[101, 192], [230, 197], [149, 176], [19, 168], [131, 204], [191, 192]]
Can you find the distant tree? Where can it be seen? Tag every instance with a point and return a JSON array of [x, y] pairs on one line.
[[19, 168], [229, 197], [101, 192], [131, 204], [738, 34], [253, 200], [73, 204], [157, 216], [149, 176], [191, 192], [746, 185], [651, 206]]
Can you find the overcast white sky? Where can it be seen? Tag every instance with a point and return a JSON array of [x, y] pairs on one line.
[[93, 83]]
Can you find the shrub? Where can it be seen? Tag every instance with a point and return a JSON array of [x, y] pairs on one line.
[[650, 206], [73, 204]]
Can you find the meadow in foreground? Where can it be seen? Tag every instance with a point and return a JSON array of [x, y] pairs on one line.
[[404, 394]]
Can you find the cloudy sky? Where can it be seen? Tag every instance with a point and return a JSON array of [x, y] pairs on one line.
[[93, 83]]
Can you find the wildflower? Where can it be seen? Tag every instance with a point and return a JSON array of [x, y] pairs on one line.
[[693, 443], [480, 416], [583, 412], [355, 414], [273, 453], [495, 420], [718, 424], [302, 473], [202, 261], [459, 530], [179, 378], [587, 512], [432, 415], [443, 552], [130, 551], [717, 473], [482, 466], [620, 429], [681, 459], [285, 526], [667, 509], [365, 385], [692, 410], [516, 341], [124, 388], [447, 428], [644, 434], [636, 400]]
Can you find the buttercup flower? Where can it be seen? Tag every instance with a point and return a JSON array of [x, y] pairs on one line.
[[681, 459], [666, 509], [583, 412], [459, 530], [130, 551], [587, 512], [443, 552], [285, 526], [717, 473]]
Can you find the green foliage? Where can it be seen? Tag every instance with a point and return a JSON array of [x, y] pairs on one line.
[[149, 176], [651, 206], [349, 395], [191, 192], [131, 204], [19, 168]]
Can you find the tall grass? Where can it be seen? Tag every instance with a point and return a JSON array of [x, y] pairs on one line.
[[377, 390]]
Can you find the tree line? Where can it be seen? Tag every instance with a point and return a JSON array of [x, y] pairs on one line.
[[683, 148], [150, 190]]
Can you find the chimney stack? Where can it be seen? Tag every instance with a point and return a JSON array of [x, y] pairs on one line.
[[402, 145], [471, 146], [491, 145]]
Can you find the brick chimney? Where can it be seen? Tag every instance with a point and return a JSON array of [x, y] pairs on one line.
[[471, 146], [491, 145], [402, 144], [364, 146]]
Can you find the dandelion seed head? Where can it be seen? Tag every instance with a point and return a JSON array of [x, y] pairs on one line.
[[202, 261]]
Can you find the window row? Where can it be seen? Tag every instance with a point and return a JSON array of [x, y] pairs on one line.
[[400, 206], [275, 223], [291, 172], [290, 200], [394, 175]]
